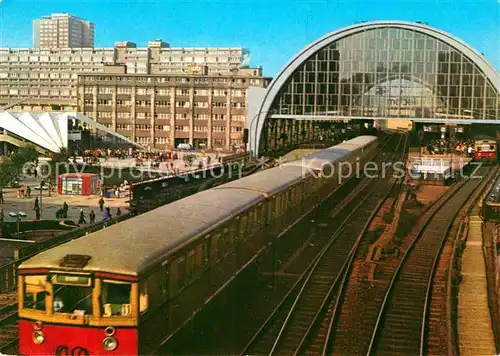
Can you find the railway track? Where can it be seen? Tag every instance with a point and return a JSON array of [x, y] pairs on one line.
[[402, 320], [302, 319], [8, 328]]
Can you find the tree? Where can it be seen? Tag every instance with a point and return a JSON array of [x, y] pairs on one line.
[[7, 172]]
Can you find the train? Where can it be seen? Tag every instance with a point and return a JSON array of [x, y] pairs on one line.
[[126, 289], [485, 150]]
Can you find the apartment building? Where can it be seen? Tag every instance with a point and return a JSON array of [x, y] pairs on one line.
[[62, 31], [161, 111], [47, 78]]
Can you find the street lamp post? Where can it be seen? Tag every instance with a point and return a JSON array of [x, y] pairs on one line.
[[42, 183], [18, 217]]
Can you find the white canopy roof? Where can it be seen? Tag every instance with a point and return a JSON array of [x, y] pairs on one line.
[[49, 129]]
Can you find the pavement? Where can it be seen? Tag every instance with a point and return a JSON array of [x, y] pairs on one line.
[[50, 205]]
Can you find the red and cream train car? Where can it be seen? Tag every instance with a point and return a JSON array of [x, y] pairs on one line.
[[485, 150]]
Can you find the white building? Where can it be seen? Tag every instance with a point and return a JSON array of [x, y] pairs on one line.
[[62, 31]]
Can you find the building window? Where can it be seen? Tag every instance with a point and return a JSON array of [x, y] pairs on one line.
[[163, 103], [122, 90], [236, 129], [182, 128], [143, 103], [143, 115], [123, 115], [161, 91], [238, 105], [218, 117], [219, 104], [143, 140], [162, 140], [125, 127], [104, 115], [200, 129], [105, 90], [182, 92], [143, 127], [89, 90], [103, 102], [182, 104], [183, 116], [163, 128], [123, 102], [201, 104], [141, 91], [89, 102], [200, 116], [162, 116], [218, 129]]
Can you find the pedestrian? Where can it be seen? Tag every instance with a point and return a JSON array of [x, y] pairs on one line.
[[107, 213], [28, 191], [36, 203], [92, 217], [82, 218], [1, 197], [37, 212], [118, 212], [35, 172], [65, 210], [101, 203]]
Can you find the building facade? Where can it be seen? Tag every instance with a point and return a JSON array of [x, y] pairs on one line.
[[47, 78], [161, 111], [62, 31]]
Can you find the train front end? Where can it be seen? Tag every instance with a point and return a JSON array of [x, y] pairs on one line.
[[66, 312], [485, 151]]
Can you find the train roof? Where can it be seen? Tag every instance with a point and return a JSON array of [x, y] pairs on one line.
[[269, 181], [132, 246], [333, 154]]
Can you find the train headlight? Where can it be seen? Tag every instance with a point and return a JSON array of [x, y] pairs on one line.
[[38, 337], [110, 343]]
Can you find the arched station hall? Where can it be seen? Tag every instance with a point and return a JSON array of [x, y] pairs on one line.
[[392, 73]]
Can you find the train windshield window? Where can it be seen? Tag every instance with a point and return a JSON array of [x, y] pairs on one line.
[[115, 298], [72, 299], [35, 292]]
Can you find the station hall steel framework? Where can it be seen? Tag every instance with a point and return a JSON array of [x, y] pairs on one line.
[[375, 71]]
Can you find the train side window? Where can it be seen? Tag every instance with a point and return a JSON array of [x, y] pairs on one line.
[[250, 227], [190, 266], [181, 265], [199, 257], [234, 230], [226, 241], [143, 297], [34, 292], [216, 247], [115, 298], [206, 251], [256, 217], [243, 227]]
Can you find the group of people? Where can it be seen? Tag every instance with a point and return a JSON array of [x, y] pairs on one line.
[[458, 147]]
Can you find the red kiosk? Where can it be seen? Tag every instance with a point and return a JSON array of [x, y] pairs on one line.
[[79, 184]]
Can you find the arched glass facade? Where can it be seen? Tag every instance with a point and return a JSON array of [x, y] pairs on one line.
[[389, 72]]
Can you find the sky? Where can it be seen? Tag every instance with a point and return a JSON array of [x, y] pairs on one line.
[[273, 30]]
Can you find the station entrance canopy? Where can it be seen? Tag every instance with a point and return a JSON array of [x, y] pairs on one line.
[[50, 130], [379, 70]]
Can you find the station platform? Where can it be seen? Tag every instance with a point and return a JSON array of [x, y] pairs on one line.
[[475, 333]]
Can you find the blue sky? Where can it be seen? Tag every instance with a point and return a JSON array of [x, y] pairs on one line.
[[273, 30]]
